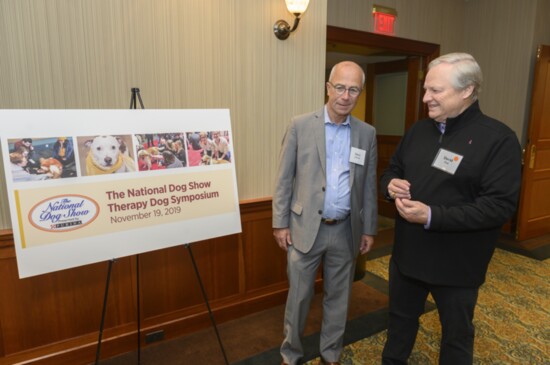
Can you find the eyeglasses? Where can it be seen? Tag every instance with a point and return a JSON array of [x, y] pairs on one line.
[[341, 89]]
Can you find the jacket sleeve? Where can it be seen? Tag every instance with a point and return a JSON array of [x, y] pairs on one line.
[[370, 203], [497, 196], [284, 181]]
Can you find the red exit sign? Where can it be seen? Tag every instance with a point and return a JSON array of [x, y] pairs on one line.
[[384, 20]]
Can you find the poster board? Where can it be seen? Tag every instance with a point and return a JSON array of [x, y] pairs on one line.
[[86, 186]]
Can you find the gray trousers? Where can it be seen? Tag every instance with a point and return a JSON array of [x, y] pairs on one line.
[[332, 247]]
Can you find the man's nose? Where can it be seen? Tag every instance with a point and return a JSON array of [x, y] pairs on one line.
[[426, 97]]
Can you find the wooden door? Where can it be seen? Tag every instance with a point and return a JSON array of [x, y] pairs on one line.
[[410, 68], [534, 210]]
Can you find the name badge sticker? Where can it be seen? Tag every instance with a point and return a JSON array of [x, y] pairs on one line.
[[357, 156], [447, 161]]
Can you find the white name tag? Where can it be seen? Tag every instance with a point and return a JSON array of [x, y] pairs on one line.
[[357, 156], [447, 161]]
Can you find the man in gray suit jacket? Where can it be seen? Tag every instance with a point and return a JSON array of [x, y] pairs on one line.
[[324, 210]]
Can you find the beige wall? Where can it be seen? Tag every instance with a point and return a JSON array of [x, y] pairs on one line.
[[222, 54], [434, 21], [182, 54], [501, 34]]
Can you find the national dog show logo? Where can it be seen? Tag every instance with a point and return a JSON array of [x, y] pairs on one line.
[[64, 213]]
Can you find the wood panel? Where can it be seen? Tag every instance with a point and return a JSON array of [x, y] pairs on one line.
[[259, 248], [54, 318], [534, 206]]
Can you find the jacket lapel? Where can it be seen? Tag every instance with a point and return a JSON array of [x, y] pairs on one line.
[[319, 132], [354, 143]]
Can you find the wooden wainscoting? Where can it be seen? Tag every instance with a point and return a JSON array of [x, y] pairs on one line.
[[54, 318]]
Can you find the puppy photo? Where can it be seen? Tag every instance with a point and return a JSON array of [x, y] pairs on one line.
[[106, 154]]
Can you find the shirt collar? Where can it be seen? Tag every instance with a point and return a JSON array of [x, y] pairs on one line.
[[464, 117], [328, 121]]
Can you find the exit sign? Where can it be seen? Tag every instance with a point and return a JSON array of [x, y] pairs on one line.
[[384, 19]]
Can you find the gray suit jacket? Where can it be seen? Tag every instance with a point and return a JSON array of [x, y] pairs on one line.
[[300, 186]]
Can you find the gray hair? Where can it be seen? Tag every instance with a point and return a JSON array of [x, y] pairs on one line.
[[466, 71]]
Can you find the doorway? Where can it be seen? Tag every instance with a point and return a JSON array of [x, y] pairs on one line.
[[534, 204], [386, 61]]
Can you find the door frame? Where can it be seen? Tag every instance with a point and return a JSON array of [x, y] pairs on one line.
[[532, 221], [425, 52]]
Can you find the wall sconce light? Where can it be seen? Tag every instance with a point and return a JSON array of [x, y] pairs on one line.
[[297, 7]]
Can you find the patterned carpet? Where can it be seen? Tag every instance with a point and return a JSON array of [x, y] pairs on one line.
[[512, 318]]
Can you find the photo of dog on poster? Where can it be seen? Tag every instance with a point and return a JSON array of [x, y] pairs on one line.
[[159, 151], [106, 154], [208, 148], [35, 159]]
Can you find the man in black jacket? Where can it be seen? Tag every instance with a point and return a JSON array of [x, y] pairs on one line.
[[455, 179]]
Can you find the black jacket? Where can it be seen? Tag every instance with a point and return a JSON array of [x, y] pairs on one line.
[[468, 208]]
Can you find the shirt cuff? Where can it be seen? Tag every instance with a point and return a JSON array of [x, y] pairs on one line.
[[427, 225]]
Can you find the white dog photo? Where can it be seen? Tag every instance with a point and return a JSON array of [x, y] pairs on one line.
[[107, 155]]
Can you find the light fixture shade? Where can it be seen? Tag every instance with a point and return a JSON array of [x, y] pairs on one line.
[[297, 6]]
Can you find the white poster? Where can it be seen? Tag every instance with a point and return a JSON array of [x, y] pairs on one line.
[[91, 185]]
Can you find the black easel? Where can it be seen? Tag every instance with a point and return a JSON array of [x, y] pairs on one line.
[[98, 350], [133, 105], [133, 101], [206, 301], [137, 95]]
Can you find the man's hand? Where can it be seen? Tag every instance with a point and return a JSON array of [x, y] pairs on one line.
[[412, 211], [398, 188], [366, 244], [282, 237]]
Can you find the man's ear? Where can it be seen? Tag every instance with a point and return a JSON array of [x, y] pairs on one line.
[[467, 92]]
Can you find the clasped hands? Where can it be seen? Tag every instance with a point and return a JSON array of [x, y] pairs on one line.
[[411, 210]]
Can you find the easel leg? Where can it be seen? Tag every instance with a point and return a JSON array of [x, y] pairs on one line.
[[98, 351], [206, 301], [133, 105], [138, 313], [135, 97]]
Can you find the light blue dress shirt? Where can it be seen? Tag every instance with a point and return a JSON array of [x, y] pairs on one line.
[[337, 190]]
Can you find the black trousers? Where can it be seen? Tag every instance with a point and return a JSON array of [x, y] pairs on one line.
[[456, 312]]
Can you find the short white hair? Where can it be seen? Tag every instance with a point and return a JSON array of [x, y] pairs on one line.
[[466, 71]]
